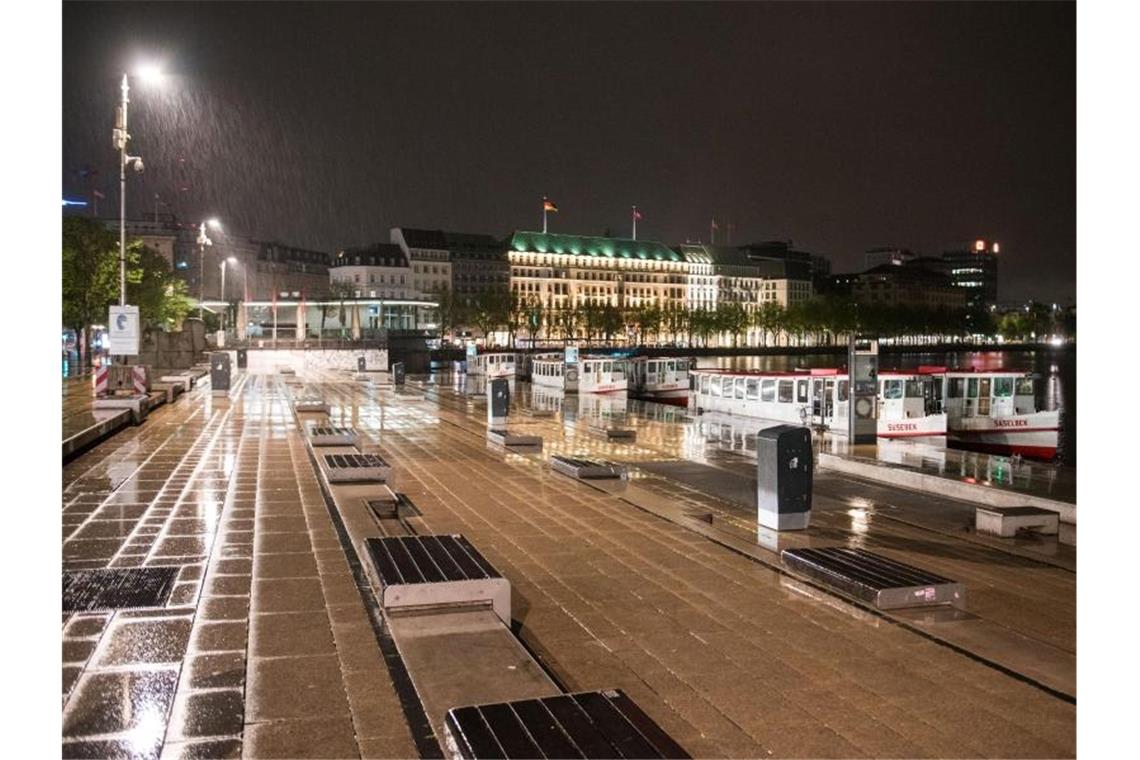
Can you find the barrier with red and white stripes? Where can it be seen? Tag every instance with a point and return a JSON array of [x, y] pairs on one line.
[[140, 379], [102, 380]]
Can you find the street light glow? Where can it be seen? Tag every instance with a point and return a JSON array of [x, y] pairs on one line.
[[150, 73], [214, 223], [231, 259]]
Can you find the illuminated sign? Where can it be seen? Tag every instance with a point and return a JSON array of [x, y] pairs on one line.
[[571, 355]]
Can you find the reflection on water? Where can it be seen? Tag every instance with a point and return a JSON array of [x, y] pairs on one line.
[[1057, 369]]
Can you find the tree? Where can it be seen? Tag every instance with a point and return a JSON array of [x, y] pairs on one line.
[[162, 298], [611, 321], [90, 282], [447, 312], [491, 310], [339, 291]]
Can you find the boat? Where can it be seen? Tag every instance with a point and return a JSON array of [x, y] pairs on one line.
[[996, 412], [590, 374], [492, 365], [665, 380], [908, 400]]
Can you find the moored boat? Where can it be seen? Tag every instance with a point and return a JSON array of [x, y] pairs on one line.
[[665, 380], [996, 412]]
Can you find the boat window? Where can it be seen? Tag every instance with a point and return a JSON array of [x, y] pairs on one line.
[[705, 384], [682, 365], [768, 390], [669, 366], [801, 391], [652, 366], [956, 387], [842, 391], [785, 391], [892, 389], [984, 388], [753, 390], [1003, 387], [972, 387], [1025, 386], [607, 366], [714, 386], [914, 389]]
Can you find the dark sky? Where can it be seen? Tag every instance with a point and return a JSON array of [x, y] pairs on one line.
[[838, 126]]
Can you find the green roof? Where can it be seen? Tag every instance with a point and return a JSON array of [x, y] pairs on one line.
[[602, 247], [715, 254]]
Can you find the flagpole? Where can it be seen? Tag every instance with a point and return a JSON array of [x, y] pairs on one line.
[[635, 222], [544, 215], [712, 232]]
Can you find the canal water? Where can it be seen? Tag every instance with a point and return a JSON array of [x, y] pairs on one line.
[[1056, 370]]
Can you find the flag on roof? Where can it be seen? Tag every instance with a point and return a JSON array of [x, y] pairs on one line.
[[549, 205], [714, 225], [636, 214], [98, 194]]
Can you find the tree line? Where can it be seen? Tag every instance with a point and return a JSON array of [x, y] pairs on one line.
[[820, 320]]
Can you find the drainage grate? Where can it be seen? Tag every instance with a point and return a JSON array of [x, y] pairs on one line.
[[589, 724], [586, 468], [883, 582], [118, 589], [427, 559], [356, 467]]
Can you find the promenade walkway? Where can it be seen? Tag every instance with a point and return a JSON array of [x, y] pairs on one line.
[[658, 586]]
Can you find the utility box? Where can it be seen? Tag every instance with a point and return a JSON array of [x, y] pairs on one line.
[[397, 373], [361, 365], [498, 402], [862, 417], [220, 371], [242, 358], [783, 477]]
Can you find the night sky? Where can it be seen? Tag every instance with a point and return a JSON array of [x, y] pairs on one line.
[[841, 127]]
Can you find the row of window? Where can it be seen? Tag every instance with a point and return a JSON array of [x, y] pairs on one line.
[[757, 389], [1001, 387]]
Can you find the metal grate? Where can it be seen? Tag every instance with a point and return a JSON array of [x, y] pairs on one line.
[[427, 559], [874, 578], [350, 461], [117, 589], [586, 468], [590, 724], [333, 431]]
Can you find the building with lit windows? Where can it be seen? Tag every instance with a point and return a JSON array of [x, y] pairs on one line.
[[376, 271], [973, 267], [428, 257], [720, 275], [564, 271], [907, 285]]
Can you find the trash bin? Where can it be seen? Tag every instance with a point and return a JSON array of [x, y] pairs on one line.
[[361, 365], [783, 477], [242, 358], [220, 371], [397, 373], [498, 401]]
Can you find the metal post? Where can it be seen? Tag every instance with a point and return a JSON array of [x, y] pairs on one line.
[[121, 138], [223, 290], [201, 272]]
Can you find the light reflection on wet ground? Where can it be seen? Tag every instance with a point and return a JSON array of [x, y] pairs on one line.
[[180, 490]]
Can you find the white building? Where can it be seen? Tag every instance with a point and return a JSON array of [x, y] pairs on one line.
[[428, 256], [377, 271]]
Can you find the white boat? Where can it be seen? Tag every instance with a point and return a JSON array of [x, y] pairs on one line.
[[590, 374], [492, 365], [820, 397], [996, 412], [665, 380]]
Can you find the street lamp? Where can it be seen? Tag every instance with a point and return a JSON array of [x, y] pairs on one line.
[[203, 242], [227, 260], [119, 138]]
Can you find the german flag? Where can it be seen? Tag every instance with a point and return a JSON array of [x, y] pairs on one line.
[[549, 205]]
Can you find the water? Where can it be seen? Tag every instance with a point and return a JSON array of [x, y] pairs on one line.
[[1056, 389]]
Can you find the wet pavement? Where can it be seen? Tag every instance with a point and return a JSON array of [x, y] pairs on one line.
[[659, 586]]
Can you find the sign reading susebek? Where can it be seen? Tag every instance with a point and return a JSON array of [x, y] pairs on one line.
[[123, 330]]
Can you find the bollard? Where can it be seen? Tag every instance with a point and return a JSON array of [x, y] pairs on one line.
[[242, 358], [783, 477], [361, 365], [220, 372], [498, 402], [397, 373]]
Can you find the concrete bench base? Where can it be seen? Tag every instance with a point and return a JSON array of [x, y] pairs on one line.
[[319, 407], [614, 434], [1005, 522], [504, 438]]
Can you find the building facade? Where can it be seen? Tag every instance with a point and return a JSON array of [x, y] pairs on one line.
[[973, 267], [376, 271], [428, 257], [907, 285]]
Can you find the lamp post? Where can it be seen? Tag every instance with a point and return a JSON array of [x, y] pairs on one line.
[[228, 260], [119, 138], [203, 242]]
